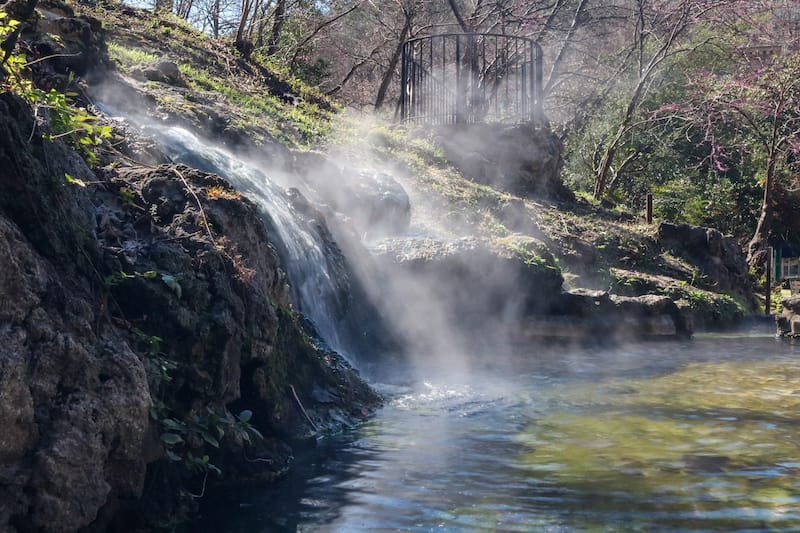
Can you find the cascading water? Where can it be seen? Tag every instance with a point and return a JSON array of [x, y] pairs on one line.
[[690, 436], [313, 284]]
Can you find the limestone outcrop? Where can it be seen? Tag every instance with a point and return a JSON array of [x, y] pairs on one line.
[[374, 202], [601, 317], [512, 288]]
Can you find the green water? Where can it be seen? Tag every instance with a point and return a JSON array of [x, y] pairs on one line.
[[692, 436]]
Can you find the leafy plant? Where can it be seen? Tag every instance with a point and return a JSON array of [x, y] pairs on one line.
[[179, 436], [170, 280], [219, 192], [71, 123]]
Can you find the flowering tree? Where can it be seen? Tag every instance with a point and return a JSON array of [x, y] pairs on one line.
[[758, 109], [661, 31]]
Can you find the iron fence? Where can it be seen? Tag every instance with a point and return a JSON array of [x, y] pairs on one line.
[[463, 78]]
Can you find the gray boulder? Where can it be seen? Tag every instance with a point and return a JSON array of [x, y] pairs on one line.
[[164, 71], [477, 288], [373, 201], [718, 258], [788, 321], [603, 317], [519, 159]]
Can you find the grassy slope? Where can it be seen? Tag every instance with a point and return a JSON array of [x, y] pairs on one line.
[[596, 248], [256, 99]]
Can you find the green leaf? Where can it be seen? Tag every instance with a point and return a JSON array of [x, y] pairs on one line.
[[171, 439], [104, 132], [74, 181], [172, 283], [172, 456], [209, 438], [174, 425], [245, 415]]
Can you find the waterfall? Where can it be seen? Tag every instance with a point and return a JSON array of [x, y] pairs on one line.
[[313, 284]]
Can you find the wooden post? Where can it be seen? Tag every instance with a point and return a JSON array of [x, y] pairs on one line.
[[649, 211], [768, 299]]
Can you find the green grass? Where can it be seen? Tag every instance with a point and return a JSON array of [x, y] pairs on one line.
[[129, 57], [283, 120]]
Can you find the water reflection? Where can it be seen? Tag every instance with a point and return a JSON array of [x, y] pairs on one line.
[[696, 436]]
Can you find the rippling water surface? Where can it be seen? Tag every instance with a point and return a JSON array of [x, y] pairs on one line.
[[702, 435]]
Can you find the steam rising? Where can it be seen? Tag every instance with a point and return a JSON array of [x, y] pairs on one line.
[[442, 298]]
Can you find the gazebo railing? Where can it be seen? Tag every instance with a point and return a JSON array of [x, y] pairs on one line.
[[463, 78]]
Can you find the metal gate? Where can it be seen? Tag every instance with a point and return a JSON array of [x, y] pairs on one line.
[[463, 78]]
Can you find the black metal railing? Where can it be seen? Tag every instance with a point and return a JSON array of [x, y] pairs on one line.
[[468, 78]]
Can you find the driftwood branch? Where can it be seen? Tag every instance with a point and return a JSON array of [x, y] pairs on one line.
[[303, 409]]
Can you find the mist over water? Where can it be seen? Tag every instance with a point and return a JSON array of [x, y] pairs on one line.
[[687, 436], [303, 245], [417, 310], [481, 435]]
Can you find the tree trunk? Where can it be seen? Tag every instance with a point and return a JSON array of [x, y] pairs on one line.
[[604, 168], [215, 9], [262, 23], [757, 248], [184, 8], [387, 77], [277, 27], [164, 6], [602, 173], [456, 13], [244, 18], [552, 78], [645, 74]]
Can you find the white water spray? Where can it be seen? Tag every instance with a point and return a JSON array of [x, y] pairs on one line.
[[313, 285]]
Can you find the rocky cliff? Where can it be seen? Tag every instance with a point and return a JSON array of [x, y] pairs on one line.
[[146, 339]]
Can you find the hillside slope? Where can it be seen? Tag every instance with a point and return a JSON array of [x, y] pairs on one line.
[[248, 105], [148, 346]]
